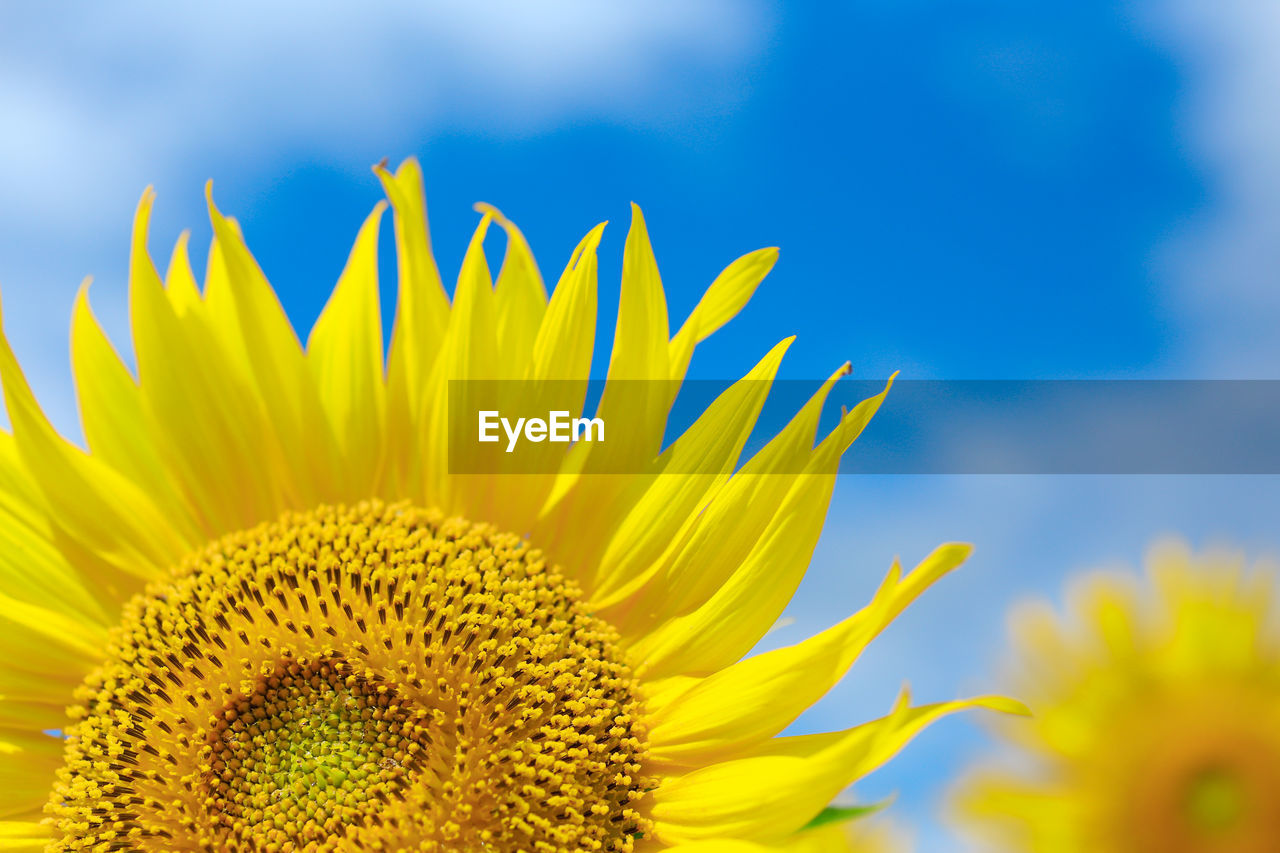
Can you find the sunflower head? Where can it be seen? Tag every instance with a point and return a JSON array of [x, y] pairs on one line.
[[260, 612], [455, 689], [1157, 716]]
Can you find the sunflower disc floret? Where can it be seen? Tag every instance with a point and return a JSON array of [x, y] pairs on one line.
[[371, 677]]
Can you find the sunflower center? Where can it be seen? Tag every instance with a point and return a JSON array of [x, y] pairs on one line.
[[370, 677], [312, 743], [1200, 774], [1215, 801]]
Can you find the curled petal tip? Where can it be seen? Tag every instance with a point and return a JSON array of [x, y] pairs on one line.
[[1004, 705]]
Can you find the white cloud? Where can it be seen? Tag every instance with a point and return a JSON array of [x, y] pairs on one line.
[[101, 100], [1225, 265], [155, 82]]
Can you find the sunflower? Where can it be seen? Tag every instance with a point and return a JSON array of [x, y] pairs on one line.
[[861, 837], [1157, 717], [259, 613]]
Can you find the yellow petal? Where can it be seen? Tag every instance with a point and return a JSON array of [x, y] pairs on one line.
[[699, 461], [726, 296], [758, 697], [64, 648], [24, 835], [520, 298], [203, 420], [721, 535], [28, 762], [640, 352], [468, 354], [560, 366], [884, 737], [562, 354], [220, 309], [566, 336], [345, 352], [92, 502], [785, 784], [634, 394], [180, 280], [32, 566], [114, 418], [422, 315], [739, 613], [278, 365]]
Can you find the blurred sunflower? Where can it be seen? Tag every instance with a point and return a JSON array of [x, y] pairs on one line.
[[1156, 723], [873, 836], [281, 624]]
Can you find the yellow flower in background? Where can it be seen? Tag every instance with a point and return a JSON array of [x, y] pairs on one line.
[[1156, 724], [870, 836], [279, 623]]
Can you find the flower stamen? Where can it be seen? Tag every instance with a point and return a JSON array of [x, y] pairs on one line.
[[370, 677]]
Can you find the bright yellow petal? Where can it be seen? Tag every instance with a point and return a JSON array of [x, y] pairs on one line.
[[700, 461], [581, 512], [566, 337], [559, 364], [279, 367], [788, 781], [726, 296], [588, 508], [422, 316], [469, 353], [34, 635], [640, 352], [111, 411], [345, 352], [220, 309], [208, 429], [739, 613], [520, 298], [27, 766], [24, 835], [92, 502], [32, 566], [758, 697], [722, 534], [179, 280]]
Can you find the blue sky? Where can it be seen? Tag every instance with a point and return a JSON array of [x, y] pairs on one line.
[[981, 189]]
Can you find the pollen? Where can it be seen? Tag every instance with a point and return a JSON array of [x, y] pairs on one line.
[[375, 677]]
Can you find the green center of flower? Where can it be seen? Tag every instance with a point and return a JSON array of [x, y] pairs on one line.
[[312, 748], [1215, 801]]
